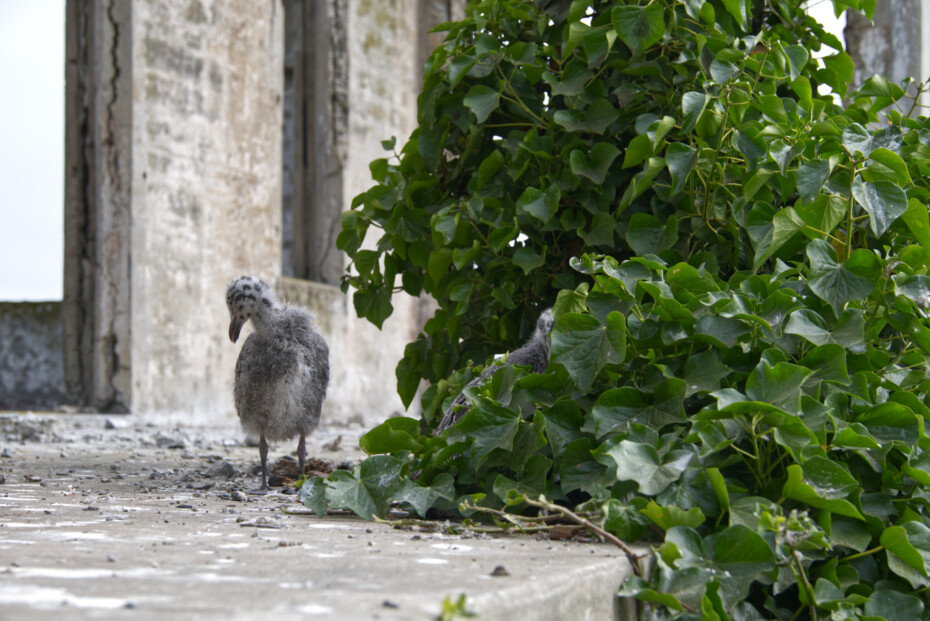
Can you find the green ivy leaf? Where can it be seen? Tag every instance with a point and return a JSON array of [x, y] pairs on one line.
[[681, 159], [893, 605], [527, 259], [692, 106], [595, 119], [367, 490], [375, 306], [641, 463], [665, 517], [739, 10], [647, 235], [422, 498], [618, 406], [639, 27], [482, 101], [540, 204], [392, 436], [918, 221], [811, 177], [779, 384], [857, 140], [823, 484], [313, 495], [836, 283], [583, 345], [908, 549], [490, 426], [884, 201], [594, 167]]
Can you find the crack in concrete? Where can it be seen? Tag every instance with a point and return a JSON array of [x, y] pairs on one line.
[[115, 400]]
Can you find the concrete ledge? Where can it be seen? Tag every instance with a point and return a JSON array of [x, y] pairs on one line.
[[101, 520]]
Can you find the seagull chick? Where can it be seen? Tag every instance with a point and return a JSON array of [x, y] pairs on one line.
[[535, 354], [283, 368]]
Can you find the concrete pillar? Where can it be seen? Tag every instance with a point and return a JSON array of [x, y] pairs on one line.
[[173, 188], [896, 44], [96, 296]]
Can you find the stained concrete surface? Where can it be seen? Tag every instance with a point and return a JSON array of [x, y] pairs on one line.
[[101, 518]]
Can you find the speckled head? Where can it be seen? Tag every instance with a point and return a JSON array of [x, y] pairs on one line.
[[248, 297], [545, 322]]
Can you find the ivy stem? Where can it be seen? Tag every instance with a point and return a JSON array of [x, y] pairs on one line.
[[878, 305], [516, 98], [724, 131], [849, 211], [853, 557], [631, 556], [807, 585]]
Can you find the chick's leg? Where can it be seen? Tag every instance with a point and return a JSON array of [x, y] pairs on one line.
[[301, 453], [263, 454]]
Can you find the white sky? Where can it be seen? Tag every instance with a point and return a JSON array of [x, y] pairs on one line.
[[32, 40], [822, 11], [32, 129]]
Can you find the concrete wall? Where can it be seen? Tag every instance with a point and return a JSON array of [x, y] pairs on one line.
[[31, 367], [206, 181], [895, 44], [173, 187], [175, 177]]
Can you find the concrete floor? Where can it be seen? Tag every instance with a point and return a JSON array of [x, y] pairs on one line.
[[101, 519]]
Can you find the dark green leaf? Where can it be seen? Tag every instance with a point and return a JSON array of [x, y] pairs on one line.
[[641, 463], [583, 345], [838, 284], [639, 27], [490, 426], [681, 160], [313, 495], [482, 101], [811, 177], [423, 498], [367, 490], [391, 436], [779, 385], [884, 201], [594, 167]]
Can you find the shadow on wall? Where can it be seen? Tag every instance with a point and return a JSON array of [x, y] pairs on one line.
[[31, 364]]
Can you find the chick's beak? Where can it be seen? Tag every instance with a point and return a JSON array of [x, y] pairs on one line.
[[235, 326]]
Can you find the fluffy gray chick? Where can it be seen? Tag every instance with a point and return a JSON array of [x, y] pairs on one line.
[[534, 353], [283, 368]]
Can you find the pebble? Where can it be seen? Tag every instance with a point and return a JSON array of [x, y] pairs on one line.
[[171, 442], [238, 496], [499, 571], [6, 453], [222, 469]]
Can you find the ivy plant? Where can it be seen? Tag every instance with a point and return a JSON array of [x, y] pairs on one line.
[[735, 245]]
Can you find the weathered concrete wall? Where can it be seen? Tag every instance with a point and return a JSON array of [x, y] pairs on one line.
[[384, 81], [894, 44], [97, 203], [173, 188], [180, 189], [31, 366], [206, 189]]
